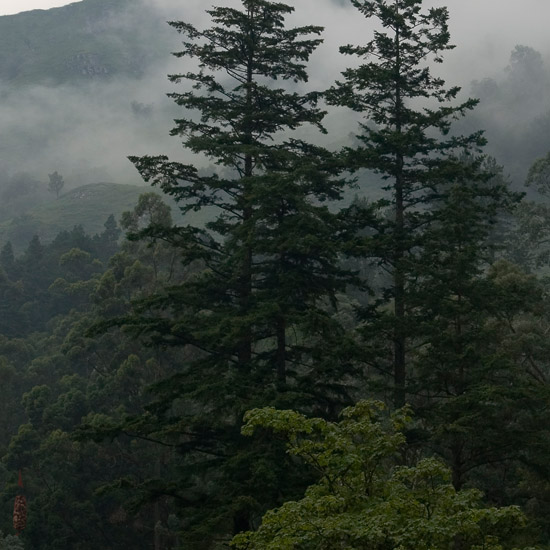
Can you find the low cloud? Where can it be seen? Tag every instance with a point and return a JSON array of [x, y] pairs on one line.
[[86, 131]]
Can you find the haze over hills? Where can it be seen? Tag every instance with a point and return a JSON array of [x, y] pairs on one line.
[[88, 206], [76, 98], [413, 324], [81, 88], [84, 86]]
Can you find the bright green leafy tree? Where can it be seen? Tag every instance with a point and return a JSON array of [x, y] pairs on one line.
[[364, 499]]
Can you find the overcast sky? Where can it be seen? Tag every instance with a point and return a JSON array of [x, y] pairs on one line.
[[8, 7]]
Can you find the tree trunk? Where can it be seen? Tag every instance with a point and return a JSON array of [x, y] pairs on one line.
[[399, 336], [245, 282], [281, 352], [157, 514]]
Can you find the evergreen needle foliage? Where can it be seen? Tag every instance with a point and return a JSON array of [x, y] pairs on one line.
[[405, 138], [128, 366], [257, 315]]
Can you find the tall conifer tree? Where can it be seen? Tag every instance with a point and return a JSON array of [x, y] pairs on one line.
[[404, 137], [272, 249], [257, 316], [435, 240]]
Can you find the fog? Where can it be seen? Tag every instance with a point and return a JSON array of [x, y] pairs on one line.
[[86, 131]]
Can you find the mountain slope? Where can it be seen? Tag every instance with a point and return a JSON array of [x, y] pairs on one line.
[[91, 39]]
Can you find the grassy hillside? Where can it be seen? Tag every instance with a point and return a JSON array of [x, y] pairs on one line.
[[91, 39], [89, 206]]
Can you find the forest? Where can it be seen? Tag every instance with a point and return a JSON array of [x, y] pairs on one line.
[[287, 345]]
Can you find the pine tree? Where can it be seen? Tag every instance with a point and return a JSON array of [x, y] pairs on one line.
[[271, 253], [56, 183], [257, 312], [7, 258], [404, 137], [435, 239]]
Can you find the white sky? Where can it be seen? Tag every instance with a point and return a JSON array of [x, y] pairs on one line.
[[8, 7]]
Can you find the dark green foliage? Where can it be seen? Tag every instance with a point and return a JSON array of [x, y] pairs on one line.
[[404, 137], [62, 378], [107, 242], [35, 286], [7, 258], [127, 365], [270, 229], [433, 326], [256, 314]]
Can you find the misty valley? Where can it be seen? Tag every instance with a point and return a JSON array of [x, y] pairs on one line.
[[272, 277]]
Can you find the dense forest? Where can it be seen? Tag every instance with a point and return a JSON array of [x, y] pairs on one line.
[[281, 344]]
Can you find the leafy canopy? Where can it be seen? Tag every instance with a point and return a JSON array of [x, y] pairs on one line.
[[364, 498]]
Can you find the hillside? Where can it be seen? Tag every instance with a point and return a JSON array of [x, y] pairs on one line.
[[89, 206], [91, 39]]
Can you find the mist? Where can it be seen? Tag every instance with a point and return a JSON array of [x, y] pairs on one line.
[[86, 130]]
